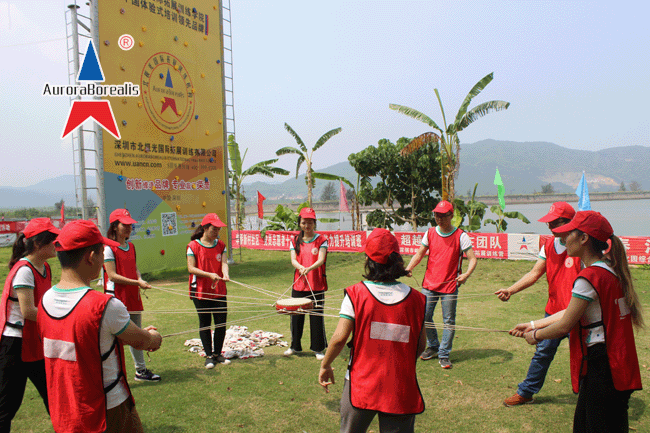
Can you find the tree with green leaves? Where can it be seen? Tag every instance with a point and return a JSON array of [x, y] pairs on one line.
[[306, 156], [473, 209], [351, 195], [501, 224], [411, 181], [238, 174], [548, 189], [328, 193], [448, 138]]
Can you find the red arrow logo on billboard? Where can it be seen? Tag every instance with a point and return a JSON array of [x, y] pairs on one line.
[[100, 111]]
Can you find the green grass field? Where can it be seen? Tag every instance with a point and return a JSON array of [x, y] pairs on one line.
[[278, 394]]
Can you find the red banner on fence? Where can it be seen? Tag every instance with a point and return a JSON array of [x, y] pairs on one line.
[[350, 241], [637, 249]]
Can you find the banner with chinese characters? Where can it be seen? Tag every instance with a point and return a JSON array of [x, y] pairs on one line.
[[490, 245], [167, 168], [637, 249], [350, 241]]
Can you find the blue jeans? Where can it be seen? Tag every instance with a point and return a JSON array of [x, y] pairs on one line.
[[448, 302], [539, 365]]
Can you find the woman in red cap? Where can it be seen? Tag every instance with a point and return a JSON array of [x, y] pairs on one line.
[[207, 262], [123, 280], [386, 319], [601, 315], [21, 352], [308, 256]]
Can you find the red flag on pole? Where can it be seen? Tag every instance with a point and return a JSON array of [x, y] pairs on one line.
[[260, 205], [62, 221], [343, 200]]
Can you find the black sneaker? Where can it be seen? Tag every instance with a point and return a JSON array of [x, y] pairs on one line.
[[221, 360], [209, 362], [146, 375], [429, 353], [445, 363]]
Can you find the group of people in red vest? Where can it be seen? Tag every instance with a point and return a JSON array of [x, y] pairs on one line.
[[68, 338]]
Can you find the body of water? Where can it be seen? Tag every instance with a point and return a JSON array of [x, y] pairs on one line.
[[627, 217]]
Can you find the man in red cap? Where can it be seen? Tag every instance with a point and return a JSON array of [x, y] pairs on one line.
[[82, 331], [561, 271], [443, 277]]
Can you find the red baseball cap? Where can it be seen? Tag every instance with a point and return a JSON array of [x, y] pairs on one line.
[[39, 225], [80, 234], [590, 222], [443, 207], [121, 215], [559, 209], [213, 219], [380, 244], [307, 212]]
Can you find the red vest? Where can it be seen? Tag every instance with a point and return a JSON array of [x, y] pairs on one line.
[[384, 353], [444, 264], [308, 256], [32, 350], [619, 335], [125, 266], [73, 365], [561, 272], [208, 260]]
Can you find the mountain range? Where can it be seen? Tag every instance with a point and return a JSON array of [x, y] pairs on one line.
[[524, 167]]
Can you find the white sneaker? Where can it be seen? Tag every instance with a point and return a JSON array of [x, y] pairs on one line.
[[289, 352], [320, 356]]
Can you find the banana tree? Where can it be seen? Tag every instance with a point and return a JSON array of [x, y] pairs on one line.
[[473, 209], [306, 156], [447, 138], [501, 223], [237, 176]]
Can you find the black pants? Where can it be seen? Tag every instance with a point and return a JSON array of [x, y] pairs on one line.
[[316, 322], [600, 408], [215, 309], [13, 379]]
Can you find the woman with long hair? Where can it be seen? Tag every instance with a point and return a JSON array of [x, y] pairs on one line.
[[601, 315], [308, 256], [207, 263], [21, 351], [386, 320], [122, 279]]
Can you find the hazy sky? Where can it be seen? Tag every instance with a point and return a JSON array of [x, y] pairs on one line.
[[575, 72]]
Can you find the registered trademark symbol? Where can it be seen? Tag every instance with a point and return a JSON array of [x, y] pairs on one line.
[[125, 42]]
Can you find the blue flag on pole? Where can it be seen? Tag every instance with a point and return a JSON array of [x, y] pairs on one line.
[[583, 194]]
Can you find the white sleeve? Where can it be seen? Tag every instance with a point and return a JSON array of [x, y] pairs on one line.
[[542, 253], [583, 289], [291, 247], [108, 254], [189, 251], [116, 317], [346, 307], [24, 278], [324, 245], [465, 242], [425, 239]]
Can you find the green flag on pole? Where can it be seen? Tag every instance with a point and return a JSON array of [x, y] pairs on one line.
[[501, 191]]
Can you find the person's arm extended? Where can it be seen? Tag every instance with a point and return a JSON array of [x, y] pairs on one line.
[[520, 329], [141, 339], [470, 268], [26, 302], [561, 327], [295, 263], [340, 337], [416, 259], [192, 269], [111, 272], [524, 282]]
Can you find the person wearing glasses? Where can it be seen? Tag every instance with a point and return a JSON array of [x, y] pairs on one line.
[[443, 277], [561, 270]]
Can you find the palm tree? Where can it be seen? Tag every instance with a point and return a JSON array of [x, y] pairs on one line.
[[304, 155], [448, 139], [237, 175]]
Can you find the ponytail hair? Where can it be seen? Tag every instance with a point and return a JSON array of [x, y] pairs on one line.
[[25, 246], [618, 261], [198, 233]]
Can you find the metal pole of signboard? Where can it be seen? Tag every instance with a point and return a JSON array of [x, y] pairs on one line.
[[226, 163], [82, 158], [99, 133]]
